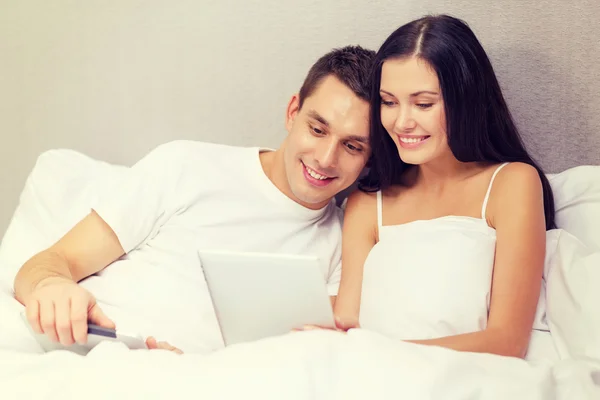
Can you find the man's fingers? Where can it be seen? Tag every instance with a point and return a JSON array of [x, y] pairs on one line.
[[47, 320], [62, 317], [307, 328], [311, 327], [151, 343], [97, 316], [318, 327], [167, 346], [79, 318], [33, 316]]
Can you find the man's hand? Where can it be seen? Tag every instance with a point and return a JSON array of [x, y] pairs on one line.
[[340, 326], [61, 309], [155, 345]]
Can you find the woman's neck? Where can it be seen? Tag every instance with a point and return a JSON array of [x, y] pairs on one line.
[[443, 171]]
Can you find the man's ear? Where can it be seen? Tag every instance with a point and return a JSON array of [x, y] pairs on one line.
[[292, 111]]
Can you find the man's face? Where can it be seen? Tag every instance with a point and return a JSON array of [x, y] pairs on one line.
[[328, 143]]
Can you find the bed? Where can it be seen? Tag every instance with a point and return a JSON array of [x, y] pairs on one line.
[[563, 360]]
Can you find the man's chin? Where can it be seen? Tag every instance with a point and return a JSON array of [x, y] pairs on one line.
[[314, 202]]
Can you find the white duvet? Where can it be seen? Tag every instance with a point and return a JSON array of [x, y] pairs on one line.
[[562, 363], [306, 365]]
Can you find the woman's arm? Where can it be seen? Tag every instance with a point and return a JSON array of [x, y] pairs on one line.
[[516, 211], [358, 237]]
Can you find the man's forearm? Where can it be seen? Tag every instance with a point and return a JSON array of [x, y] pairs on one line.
[[47, 265]]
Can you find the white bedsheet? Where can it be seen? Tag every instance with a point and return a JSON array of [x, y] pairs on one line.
[[306, 365], [562, 363]]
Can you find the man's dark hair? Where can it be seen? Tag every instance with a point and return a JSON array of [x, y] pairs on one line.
[[350, 64]]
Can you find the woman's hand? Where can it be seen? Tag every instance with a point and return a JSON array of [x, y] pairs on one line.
[[153, 344]]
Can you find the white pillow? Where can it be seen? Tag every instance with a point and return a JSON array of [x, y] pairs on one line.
[[577, 203], [573, 298], [58, 193]]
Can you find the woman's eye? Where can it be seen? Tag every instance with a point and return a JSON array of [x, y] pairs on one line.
[[425, 105], [352, 147], [387, 103]]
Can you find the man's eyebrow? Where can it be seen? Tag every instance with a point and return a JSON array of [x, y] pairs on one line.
[[413, 94], [315, 115], [361, 139]]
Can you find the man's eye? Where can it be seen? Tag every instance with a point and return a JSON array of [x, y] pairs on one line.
[[316, 130]]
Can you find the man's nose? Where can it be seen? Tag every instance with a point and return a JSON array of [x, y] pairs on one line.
[[327, 153]]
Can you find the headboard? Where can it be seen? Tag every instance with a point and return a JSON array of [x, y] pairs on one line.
[[547, 58]]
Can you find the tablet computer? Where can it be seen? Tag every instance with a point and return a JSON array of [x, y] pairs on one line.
[[258, 295], [96, 335]]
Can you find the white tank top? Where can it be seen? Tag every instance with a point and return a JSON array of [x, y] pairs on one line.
[[429, 278]]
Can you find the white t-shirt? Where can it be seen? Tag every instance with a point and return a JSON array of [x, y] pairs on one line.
[[185, 196]]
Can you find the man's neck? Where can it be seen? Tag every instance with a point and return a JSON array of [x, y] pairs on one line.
[[267, 162], [273, 166]]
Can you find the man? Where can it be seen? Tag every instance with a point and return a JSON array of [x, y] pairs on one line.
[[138, 246]]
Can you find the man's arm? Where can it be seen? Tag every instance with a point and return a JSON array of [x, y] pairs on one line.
[[126, 212], [87, 248], [47, 283]]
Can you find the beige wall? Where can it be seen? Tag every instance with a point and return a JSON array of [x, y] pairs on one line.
[[115, 78]]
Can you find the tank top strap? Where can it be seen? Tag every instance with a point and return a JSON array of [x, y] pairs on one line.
[[489, 189], [379, 210]]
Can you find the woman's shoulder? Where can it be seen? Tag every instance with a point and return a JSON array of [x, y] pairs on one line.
[[500, 177], [360, 199], [509, 179], [361, 207], [515, 175], [516, 186]]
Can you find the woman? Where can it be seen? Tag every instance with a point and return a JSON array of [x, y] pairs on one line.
[[445, 242]]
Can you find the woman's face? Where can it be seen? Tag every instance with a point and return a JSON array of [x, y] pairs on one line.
[[412, 109]]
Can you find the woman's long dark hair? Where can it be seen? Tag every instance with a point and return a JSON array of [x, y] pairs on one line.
[[479, 124]]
